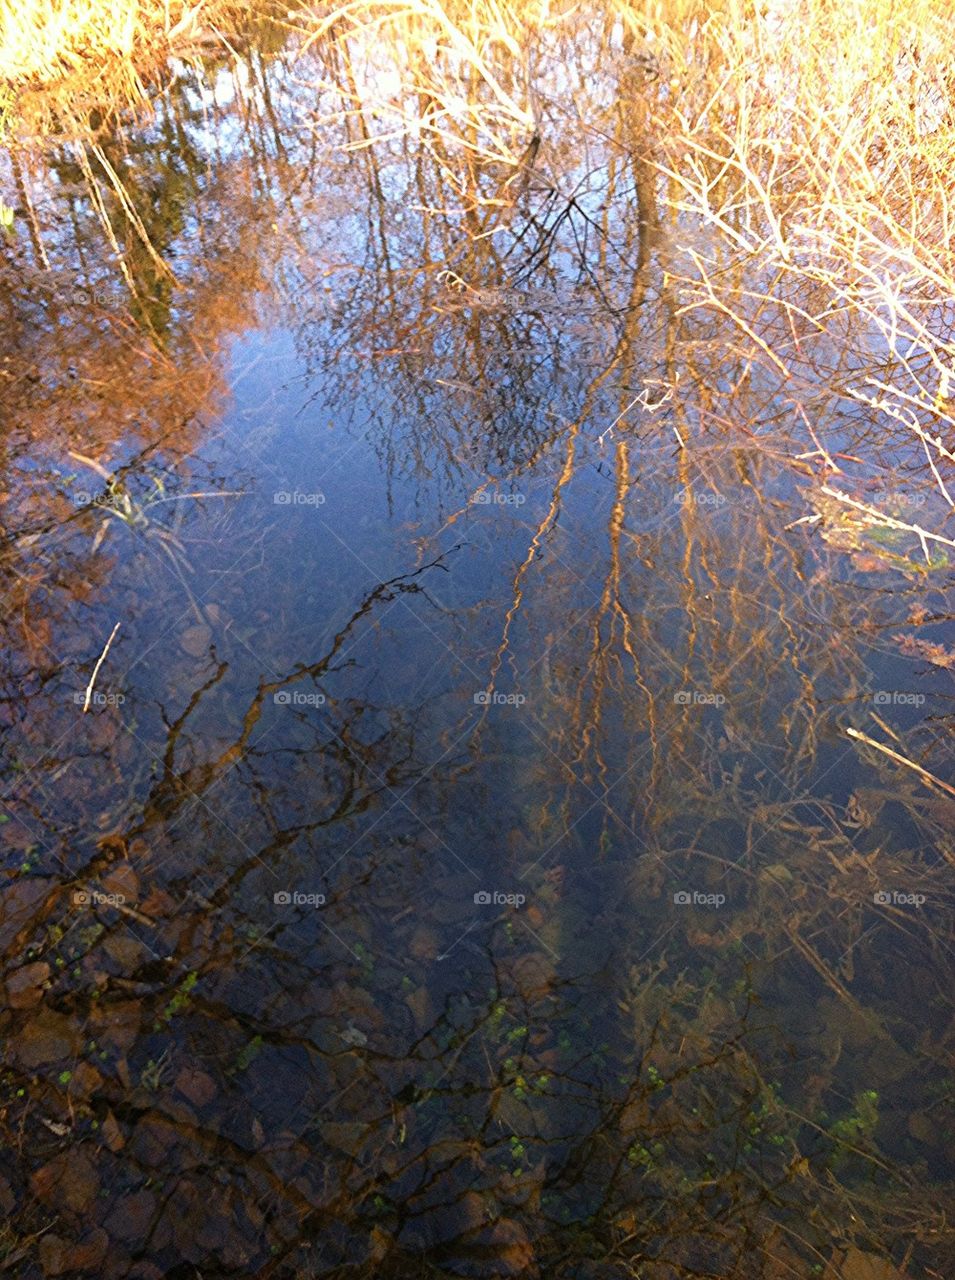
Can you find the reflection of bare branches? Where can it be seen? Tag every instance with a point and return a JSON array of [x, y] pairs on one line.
[[177, 787], [415, 1070]]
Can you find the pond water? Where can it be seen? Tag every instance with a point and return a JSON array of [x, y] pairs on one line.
[[463, 867]]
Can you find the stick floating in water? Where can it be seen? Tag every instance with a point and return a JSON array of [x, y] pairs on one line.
[[894, 755], [89, 687]]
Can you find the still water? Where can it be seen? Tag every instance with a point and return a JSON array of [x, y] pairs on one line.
[[462, 867]]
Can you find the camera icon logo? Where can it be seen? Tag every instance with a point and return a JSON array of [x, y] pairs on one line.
[[882, 898], [282, 498], [81, 898], [683, 698], [482, 898], [882, 698], [681, 898], [282, 698], [282, 898], [483, 698]]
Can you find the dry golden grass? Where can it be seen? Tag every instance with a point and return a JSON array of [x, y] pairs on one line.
[[816, 134], [823, 153], [66, 58], [46, 39]]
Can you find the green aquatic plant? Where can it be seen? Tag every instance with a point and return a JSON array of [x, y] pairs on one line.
[[180, 1000], [859, 1125], [656, 1080], [639, 1155], [248, 1053], [30, 860], [517, 1151]]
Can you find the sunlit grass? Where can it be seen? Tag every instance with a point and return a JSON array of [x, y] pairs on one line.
[[815, 136], [47, 38], [94, 55]]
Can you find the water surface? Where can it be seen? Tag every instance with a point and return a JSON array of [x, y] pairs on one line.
[[463, 867]]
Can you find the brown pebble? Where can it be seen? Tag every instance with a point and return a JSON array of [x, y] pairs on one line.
[[25, 986], [197, 1087], [64, 1257]]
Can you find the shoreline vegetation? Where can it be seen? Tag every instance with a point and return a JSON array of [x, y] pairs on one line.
[[75, 65], [812, 138]]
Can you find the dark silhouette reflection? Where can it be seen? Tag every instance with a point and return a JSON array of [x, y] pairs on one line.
[[463, 868]]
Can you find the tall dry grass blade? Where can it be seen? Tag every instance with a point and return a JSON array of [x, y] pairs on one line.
[[900, 759]]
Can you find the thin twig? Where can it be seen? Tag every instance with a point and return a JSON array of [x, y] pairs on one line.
[[923, 773], [89, 687]]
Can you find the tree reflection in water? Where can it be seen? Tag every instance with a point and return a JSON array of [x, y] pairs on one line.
[[453, 614]]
